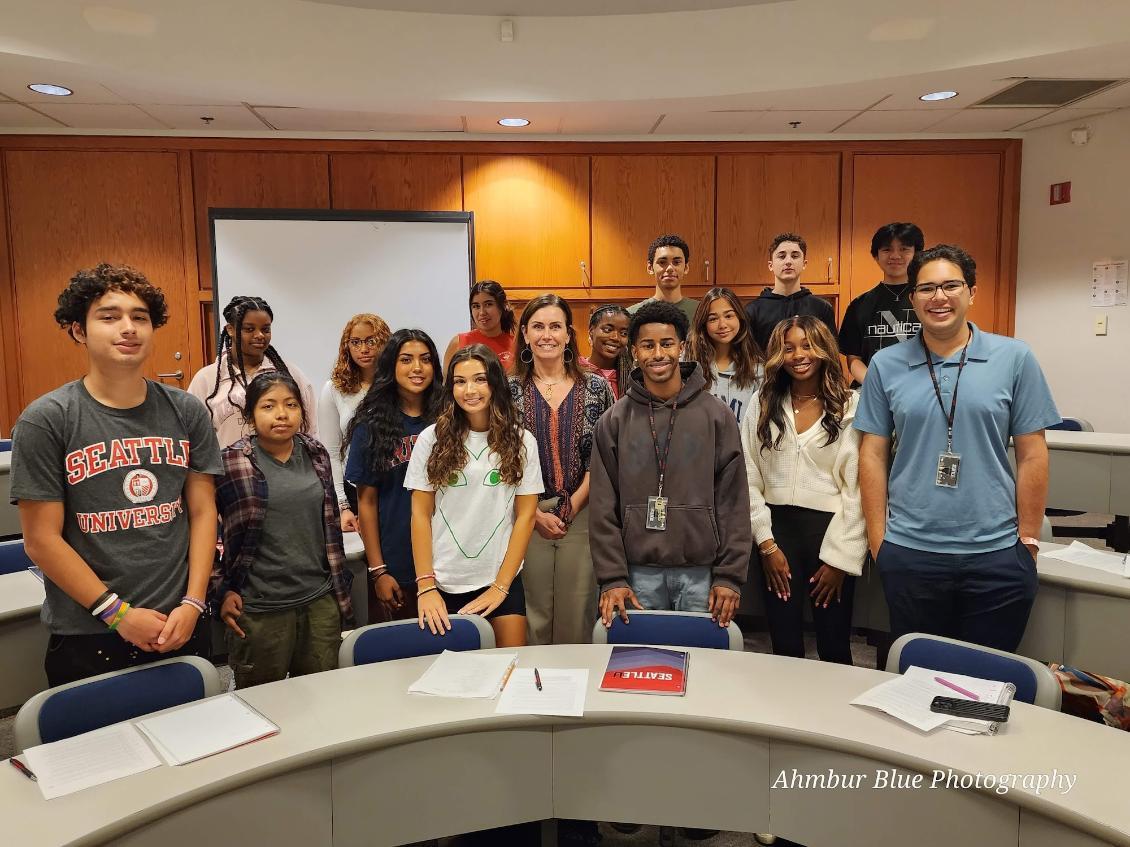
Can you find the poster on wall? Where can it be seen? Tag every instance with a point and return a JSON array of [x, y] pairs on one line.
[[1108, 283]]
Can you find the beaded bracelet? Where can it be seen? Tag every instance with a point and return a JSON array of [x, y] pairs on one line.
[[192, 601], [505, 593], [420, 594], [420, 579]]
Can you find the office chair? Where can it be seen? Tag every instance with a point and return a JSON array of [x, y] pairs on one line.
[[109, 698], [669, 629], [382, 642], [5, 445], [1035, 683], [13, 559]]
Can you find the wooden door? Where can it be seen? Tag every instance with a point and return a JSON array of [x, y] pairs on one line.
[[420, 182], [637, 198], [955, 198], [72, 209], [763, 194], [531, 221], [254, 180]]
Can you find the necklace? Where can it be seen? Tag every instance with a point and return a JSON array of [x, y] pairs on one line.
[[549, 386], [805, 400]]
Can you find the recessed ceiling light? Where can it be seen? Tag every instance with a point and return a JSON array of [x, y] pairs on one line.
[[938, 95], [48, 88], [513, 122]]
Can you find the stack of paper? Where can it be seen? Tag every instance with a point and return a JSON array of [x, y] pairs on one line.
[[908, 698], [205, 728], [471, 674], [102, 755], [1079, 553], [562, 692]]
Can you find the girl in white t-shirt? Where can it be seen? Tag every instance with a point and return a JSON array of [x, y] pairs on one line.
[[475, 481]]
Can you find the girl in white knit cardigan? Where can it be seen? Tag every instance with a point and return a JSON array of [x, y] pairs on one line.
[[802, 463]]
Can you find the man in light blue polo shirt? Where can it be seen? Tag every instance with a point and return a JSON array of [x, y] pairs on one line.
[[952, 531]]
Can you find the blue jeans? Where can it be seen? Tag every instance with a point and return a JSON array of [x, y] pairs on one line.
[[671, 589]]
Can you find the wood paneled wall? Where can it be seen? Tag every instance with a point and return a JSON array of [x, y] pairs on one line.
[[541, 210]]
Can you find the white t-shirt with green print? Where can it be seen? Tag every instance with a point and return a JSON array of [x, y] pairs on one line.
[[474, 512]]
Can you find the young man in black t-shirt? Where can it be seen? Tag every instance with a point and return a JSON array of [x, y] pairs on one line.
[[787, 297], [883, 315]]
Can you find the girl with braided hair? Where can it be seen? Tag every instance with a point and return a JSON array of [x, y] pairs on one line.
[[245, 350]]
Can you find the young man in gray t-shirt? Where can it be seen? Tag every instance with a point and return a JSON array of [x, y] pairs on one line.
[[113, 477]]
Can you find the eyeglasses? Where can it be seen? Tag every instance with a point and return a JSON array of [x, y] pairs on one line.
[[358, 343], [928, 289]]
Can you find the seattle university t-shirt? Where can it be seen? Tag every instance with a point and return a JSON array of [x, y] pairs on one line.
[[120, 475], [475, 512]]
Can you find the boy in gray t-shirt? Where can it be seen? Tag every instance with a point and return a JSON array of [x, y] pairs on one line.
[[112, 474]]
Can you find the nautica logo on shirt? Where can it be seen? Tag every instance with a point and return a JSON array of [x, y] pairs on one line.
[[123, 453]]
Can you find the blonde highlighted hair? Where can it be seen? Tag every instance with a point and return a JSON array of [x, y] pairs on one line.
[[346, 375]]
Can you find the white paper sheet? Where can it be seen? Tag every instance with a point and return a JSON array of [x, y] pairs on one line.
[[469, 675], [905, 698], [205, 728], [562, 692], [102, 755], [1079, 553]]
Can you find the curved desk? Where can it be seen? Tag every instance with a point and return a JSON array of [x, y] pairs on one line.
[[361, 762]]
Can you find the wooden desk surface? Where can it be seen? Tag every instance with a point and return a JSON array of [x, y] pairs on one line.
[[352, 710]]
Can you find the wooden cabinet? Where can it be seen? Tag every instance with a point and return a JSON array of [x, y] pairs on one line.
[[420, 182], [254, 180], [956, 199], [763, 194], [638, 198], [72, 209], [531, 220]]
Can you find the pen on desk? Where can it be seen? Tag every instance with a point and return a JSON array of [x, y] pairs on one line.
[[956, 688], [24, 769], [537, 679]]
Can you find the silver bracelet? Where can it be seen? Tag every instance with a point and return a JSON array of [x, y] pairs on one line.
[[768, 552]]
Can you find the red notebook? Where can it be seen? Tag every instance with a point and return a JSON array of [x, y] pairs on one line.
[[646, 670]]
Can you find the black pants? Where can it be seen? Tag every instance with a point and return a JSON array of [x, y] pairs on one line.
[[74, 657], [799, 533], [983, 598]]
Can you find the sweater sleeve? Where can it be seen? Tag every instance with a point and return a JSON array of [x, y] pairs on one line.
[[731, 505], [759, 515], [329, 425], [606, 536], [845, 540]]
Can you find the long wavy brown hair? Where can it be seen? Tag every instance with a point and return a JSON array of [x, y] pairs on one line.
[[744, 352], [346, 375], [832, 389], [504, 436]]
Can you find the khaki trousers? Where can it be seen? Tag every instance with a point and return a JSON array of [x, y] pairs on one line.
[[560, 585]]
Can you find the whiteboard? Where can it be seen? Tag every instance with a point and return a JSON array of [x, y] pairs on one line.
[[317, 269]]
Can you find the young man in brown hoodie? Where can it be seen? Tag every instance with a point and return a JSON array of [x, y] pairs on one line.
[[669, 507]]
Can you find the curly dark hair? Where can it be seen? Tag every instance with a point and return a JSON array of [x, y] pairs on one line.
[[668, 241], [744, 352], [379, 410], [234, 313], [505, 437], [658, 312], [90, 284], [788, 236]]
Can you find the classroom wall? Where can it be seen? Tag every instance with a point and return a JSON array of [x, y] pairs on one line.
[[1088, 374], [542, 211]]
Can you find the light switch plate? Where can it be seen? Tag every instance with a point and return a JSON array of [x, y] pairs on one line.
[[1100, 324]]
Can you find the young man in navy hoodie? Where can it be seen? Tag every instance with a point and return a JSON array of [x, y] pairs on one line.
[[787, 261]]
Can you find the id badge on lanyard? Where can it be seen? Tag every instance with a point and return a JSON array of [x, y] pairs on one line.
[[656, 518], [949, 462]]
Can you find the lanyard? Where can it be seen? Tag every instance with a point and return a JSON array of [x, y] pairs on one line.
[[661, 462], [938, 391]]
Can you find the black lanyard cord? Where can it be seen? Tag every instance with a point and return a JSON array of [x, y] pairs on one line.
[[938, 391], [661, 461]]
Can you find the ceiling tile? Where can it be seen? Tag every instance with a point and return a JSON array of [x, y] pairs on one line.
[[904, 120], [778, 122], [14, 81], [607, 122], [325, 120], [971, 87], [987, 120], [145, 96], [700, 123], [189, 117], [85, 116], [1061, 116], [545, 123], [15, 116]]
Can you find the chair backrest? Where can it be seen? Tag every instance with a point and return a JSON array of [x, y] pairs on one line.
[[1074, 425], [5, 445], [1034, 681], [383, 642], [13, 558], [669, 629], [1047, 533], [109, 698]]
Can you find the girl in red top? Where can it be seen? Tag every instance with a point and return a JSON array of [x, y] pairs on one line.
[[493, 320]]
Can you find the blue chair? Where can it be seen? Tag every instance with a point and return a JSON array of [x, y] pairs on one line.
[[669, 629], [5, 445], [1034, 681], [383, 642], [13, 559], [110, 698]]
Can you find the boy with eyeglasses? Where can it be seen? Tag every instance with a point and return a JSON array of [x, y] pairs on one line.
[[952, 530]]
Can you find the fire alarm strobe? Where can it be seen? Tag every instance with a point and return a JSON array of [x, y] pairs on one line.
[[1060, 193]]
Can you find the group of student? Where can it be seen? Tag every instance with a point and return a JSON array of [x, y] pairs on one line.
[[702, 448]]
